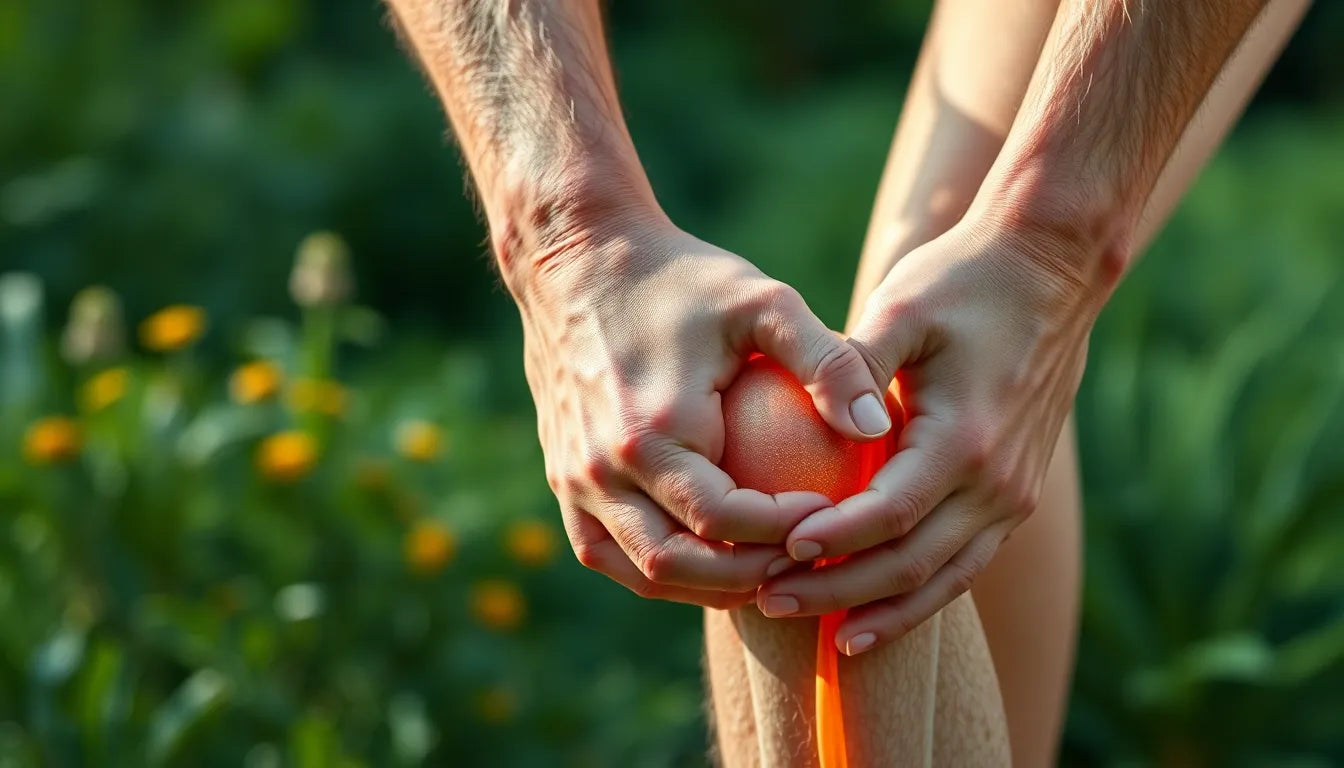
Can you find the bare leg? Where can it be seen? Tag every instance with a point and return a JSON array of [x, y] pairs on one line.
[[734, 722], [969, 725], [930, 699], [957, 112]]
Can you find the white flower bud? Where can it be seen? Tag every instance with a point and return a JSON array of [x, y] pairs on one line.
[[321, 275]]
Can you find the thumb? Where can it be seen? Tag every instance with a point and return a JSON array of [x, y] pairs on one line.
[[833, 371], [887, 337]]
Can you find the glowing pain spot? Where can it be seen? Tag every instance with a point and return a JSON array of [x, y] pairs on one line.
[[775, 441]]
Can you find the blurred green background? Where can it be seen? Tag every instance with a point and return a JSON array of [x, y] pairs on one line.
[[248, 531]]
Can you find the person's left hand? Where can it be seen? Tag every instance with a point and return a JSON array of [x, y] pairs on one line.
[[986, 330]]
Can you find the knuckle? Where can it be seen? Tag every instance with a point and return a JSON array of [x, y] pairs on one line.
[[572, 483], [589, 555], [690, 505], [833, 599], [833, 359], [656, 565], [961, 576], [704, 518], [662, 416], [1023, 503], [974, 447], [593, 470], [783, 298], [887, 308], [900, 514], [635, 444], [918, 571], [705, 524], [899, 581], [1002, 485], [903, 624]]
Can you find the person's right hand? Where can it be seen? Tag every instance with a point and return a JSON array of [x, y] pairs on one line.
[[630, 337]]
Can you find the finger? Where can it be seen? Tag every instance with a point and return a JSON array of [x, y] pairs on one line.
[[890, 334], [886, 620], [705, 500], [833, 372], [893, 568], [925, 470], [666, 553], [597, 550]]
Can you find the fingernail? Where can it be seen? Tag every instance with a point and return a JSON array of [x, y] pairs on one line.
[[779, 565], [805, 550], [869, 415], [779, 605], [860, 643]]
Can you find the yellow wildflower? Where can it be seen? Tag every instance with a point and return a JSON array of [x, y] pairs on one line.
[[429, 547], [255, 381], [498, 604], [531, 542], [318, 396], [286, 456], [419, 440], [172, 328], [496, 705], [104, 389], [50, 440]]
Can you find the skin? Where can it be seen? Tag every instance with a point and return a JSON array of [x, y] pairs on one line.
[[958, 111], [583, 248], [1027, 597], [948, 711], [631, 326], [987, 323]]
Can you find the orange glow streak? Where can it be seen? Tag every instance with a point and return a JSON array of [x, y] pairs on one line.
[[830, 713], [775, 441]]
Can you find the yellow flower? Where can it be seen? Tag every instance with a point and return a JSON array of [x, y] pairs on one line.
[[286, 456], [172, 328], [429, 547], [496, 705], [318, 396], [51, 440], [498, 604], [255, 381], [419, 440], [104, 389], [531, 542]]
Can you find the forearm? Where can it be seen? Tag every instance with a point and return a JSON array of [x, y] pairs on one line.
[[1115, 88], [529, 91], [950, 167], [958, 109]]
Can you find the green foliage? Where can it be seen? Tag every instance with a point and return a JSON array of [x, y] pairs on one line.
[[172, 594], [1211, 416]]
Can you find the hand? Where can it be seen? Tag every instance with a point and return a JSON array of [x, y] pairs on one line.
[[987, 331], [630, 334]]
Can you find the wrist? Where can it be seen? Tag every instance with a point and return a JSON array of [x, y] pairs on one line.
[[1059, 220], [541, 220]]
